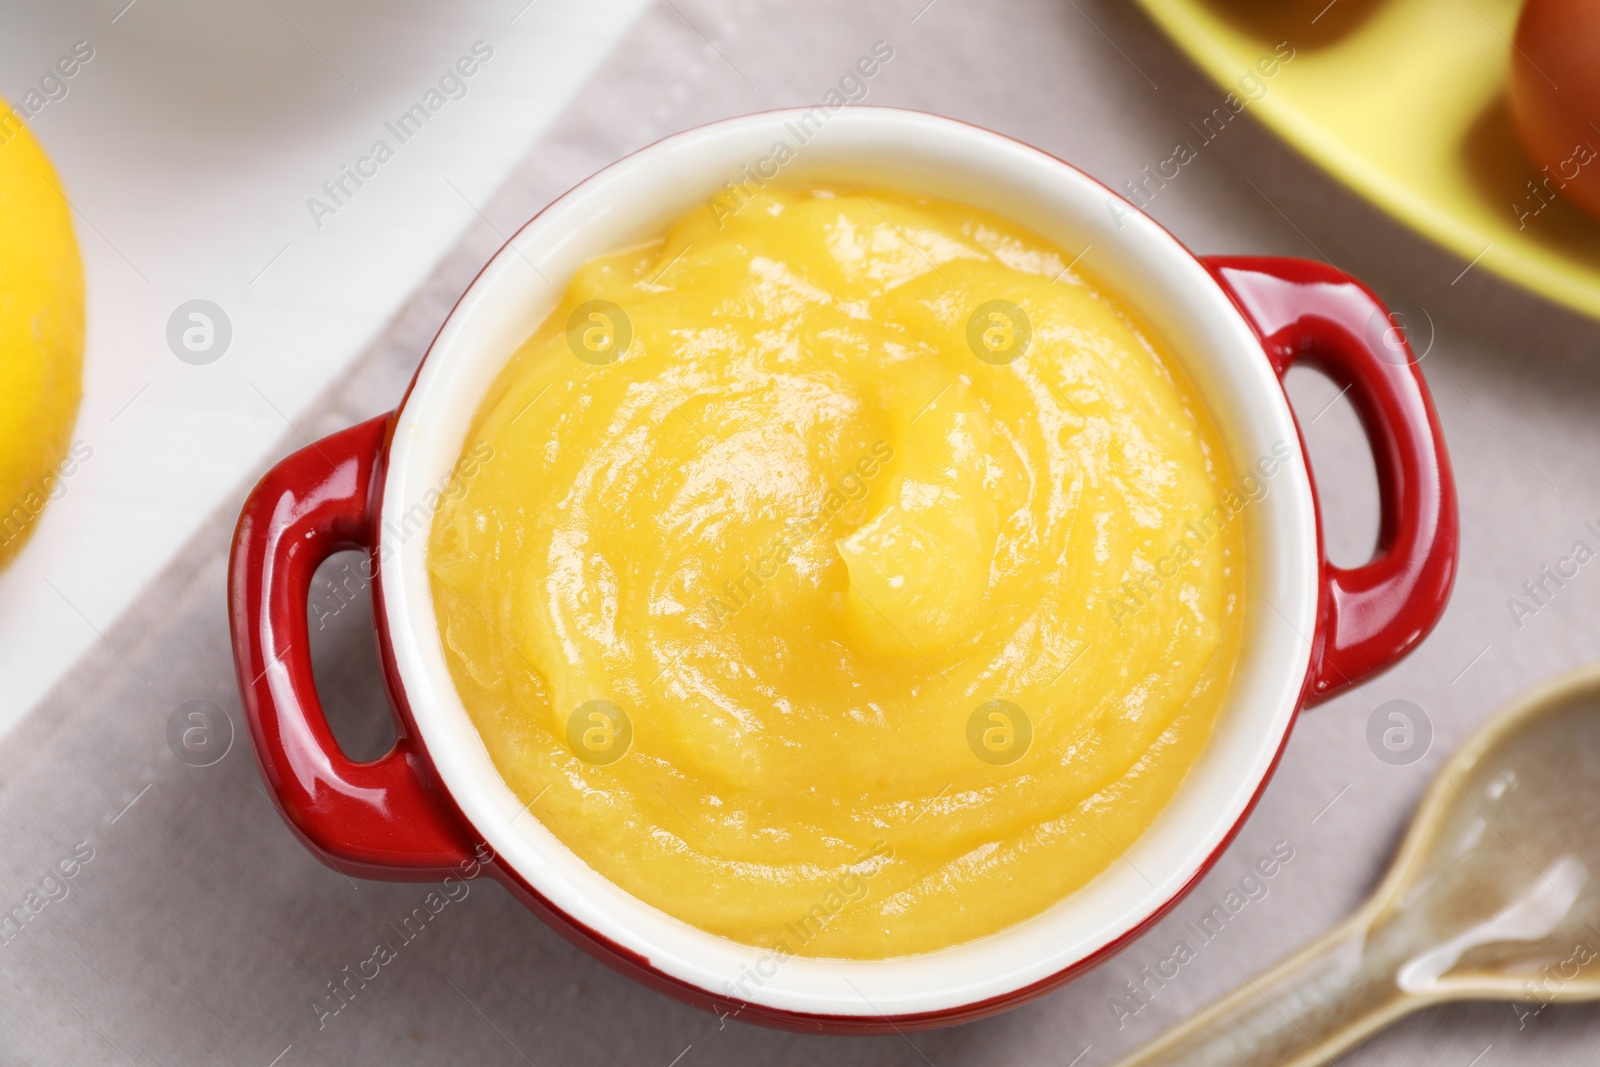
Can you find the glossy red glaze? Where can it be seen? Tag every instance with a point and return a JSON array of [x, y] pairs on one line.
[[393, 819], [1372, 615], [389, 818]]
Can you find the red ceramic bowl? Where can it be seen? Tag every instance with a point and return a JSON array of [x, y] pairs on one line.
[[435, 805]]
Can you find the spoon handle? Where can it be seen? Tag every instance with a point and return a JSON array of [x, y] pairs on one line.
[[1306, 1010]]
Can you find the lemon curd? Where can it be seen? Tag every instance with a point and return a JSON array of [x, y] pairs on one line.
[[850, 574]]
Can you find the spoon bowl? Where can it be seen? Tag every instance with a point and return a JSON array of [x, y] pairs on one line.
[[1494, 895]]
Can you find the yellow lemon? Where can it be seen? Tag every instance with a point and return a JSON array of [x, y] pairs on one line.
[[41, 334]]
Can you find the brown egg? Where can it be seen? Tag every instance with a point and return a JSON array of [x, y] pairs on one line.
[[1555, 96]]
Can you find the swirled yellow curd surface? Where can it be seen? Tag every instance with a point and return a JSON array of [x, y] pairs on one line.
[[845, 574]]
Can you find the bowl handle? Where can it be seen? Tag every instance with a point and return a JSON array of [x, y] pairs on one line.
[[389, 818], [1372, 615]]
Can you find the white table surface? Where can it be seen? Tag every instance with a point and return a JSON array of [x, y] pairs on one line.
[[188, 146]]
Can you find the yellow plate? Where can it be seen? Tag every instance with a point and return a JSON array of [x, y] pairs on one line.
[[1405, 102]]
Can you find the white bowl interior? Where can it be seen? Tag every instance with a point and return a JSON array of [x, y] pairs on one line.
[[634, 200]]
